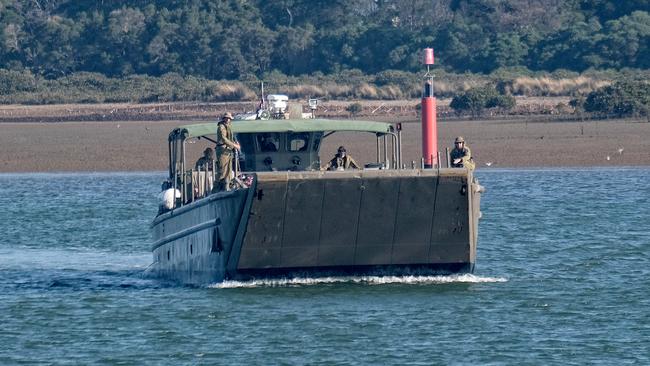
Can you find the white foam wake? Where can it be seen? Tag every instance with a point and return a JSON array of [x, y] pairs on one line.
[[369, 280]]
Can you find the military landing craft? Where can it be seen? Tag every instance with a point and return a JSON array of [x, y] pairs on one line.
[[287, 217]]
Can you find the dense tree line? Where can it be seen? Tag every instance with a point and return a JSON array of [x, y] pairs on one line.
[[248, 39]]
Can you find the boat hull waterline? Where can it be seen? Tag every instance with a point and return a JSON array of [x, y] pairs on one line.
[[311, 223]]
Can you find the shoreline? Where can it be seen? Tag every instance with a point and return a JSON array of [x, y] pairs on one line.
[[140, 146]]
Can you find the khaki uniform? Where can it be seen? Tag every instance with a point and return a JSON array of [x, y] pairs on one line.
[[224, 150], [345, 162], [465, 154]]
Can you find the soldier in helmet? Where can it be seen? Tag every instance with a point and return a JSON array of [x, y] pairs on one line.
[[226, 146], [461, 155], [341, 161]]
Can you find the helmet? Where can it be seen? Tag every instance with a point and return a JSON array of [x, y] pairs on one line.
[[459, 139], [227, 115]]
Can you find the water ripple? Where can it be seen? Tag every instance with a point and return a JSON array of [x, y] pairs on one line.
[[561, 277]]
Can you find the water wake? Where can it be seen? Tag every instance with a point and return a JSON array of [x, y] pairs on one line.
[[369, 280]]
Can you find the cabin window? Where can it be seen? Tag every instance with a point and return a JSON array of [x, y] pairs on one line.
[[268, 142], [247, 142], [298, 141], [316, 144]]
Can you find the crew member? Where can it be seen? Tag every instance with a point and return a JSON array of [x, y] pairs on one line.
[[341, 161], [167, 197], [225, 148], [461, 155], [267, 144], [206, 161]]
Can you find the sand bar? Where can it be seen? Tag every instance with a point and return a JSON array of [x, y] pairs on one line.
[[141, 145]]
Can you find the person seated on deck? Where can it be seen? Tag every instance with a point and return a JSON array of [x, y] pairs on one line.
[[461, 155], [205, 162], [341, 161], [267, 144]]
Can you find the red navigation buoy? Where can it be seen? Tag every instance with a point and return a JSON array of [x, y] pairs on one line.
[[429, 127], [429, 122]]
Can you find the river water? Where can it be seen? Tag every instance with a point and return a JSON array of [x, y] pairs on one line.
[[562, 276]]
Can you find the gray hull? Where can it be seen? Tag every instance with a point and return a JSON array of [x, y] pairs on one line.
[[318, 223]]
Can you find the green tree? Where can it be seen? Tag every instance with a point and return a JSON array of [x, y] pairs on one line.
[[476, 100], [293, 50], [573, 48], [626, 41], [620, 99], [125, 27], [506, 50], [613, 9], [465, 47], [257, 43], [472, 101]]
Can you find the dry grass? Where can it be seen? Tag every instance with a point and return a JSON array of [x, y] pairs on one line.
[[305, 91], [366, 91], [391, 92], [232, 91], [545, 86], [451, 87], [336, 91]]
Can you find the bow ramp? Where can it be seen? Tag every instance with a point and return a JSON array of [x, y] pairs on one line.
[[361, 220]]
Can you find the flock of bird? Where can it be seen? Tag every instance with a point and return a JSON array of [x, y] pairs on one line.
[[619, 151], [608, 157]]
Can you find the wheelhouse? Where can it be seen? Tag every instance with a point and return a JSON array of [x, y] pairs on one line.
[[272, 145]]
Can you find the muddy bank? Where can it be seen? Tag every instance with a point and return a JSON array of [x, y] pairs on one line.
[[141, 145]]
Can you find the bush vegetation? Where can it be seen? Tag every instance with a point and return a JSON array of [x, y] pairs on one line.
[[476, 100], [24, 87], [621, 99], [354, 108]]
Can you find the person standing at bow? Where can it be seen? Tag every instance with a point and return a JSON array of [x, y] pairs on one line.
[[226, 146]]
